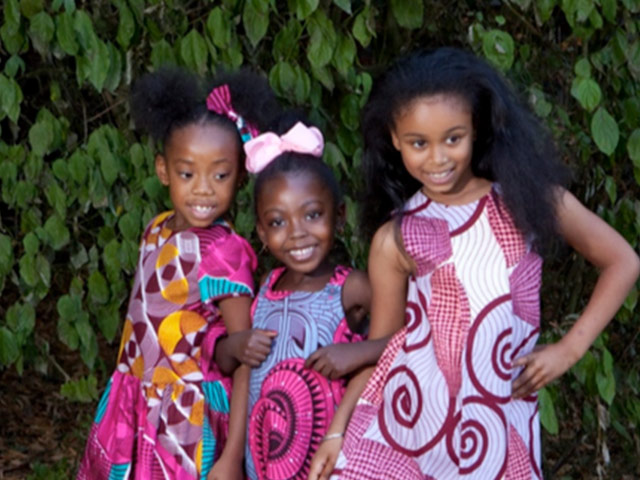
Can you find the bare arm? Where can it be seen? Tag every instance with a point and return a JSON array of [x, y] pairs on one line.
[[619, 267], [236, 315], [389, 270]]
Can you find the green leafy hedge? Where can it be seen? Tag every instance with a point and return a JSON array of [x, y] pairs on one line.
[[78, 186]]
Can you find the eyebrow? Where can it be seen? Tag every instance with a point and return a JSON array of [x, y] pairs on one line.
[[190, 162], [452, 129]]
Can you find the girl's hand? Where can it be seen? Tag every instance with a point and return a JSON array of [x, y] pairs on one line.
[[543, 365], [324, 459], [252, 346], [335, 361], [226, 468]]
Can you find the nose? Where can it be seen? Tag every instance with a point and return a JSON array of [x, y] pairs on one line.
[[438, 156], [296, 229], [203, 185]]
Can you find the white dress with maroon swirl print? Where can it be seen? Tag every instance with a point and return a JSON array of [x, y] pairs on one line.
[[438, 405]]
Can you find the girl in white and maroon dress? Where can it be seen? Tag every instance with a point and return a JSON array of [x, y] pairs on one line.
[[464, 195]]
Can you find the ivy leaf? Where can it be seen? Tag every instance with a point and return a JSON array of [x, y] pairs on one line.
[[57, 231], [65, 34], [162, 54], [41, 31], [345, 5], [12, 15], [129, 225], [109, 321], [350, 111], [126, 25], [582, 68], [605, 379], [78, 163], [633, 147], [322, 40], [498, 47], [98, 289], [31, 243], [6, 254], [587, 92], [41, 137], [28, 271], [193, 51], [83, 26], [303, 8], [604, 131], [407, 14], [609, 8], [84, 390], [255, 19], [361, 30], [9, 351], [345, 54], [610, 188], [10, 98], [548, 417], [219, 27], [99, 63]]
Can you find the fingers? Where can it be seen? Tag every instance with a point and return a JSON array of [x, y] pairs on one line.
[[317, 465]]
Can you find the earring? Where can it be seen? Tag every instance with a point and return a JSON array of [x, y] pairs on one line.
[[264, 249]]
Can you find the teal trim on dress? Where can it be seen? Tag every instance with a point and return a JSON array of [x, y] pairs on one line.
[[102, 406], [208, 448], [220, 287], [216, 396], [119, 471]]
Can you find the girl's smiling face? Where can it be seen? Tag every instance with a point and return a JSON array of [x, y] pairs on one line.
[[200, 167], [296, 220], [434, 135]]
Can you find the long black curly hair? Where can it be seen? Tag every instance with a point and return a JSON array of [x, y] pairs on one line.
[[511, 146], [172, 98]]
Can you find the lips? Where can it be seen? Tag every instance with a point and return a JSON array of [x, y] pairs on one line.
[[302, 254], [202, 211], [441, 177]]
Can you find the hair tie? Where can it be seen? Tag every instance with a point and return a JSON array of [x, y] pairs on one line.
[[263, 149], [219, 101]]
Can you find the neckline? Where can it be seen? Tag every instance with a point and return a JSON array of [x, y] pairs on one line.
[[164, 223], [428, 200], [276, 273]]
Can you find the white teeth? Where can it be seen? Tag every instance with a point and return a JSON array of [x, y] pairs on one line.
[[202, 208], [301, 253], [441, 174]]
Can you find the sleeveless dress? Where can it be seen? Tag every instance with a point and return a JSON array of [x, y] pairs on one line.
[[164, 413], [438, 405], [290, 407]]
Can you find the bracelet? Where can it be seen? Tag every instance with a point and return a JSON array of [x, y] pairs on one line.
[[331, 436]]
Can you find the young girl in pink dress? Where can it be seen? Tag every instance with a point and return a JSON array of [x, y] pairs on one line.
[[464, 194], [307, 311], [167, 411]]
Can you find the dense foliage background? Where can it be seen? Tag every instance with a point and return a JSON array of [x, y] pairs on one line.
[[77, 184]]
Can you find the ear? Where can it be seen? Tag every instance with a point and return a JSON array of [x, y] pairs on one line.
[[394, 139], [161, 169]]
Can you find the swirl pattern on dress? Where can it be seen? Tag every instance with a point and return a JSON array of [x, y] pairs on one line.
[[289, 420]]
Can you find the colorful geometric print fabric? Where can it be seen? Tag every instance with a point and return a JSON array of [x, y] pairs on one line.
[[438, 405], [291, 406], [164, 413]]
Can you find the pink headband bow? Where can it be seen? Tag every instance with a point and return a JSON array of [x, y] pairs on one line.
[[263, 149], [219, 101]]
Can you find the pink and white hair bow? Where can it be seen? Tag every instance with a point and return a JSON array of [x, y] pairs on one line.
[[219, 101], [262, 150]]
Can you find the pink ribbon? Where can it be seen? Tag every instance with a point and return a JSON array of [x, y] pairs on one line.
[[262, 150], [219, 101]]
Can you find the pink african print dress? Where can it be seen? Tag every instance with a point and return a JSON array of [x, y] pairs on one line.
[[164, 413], [438, 405], [290, 406]]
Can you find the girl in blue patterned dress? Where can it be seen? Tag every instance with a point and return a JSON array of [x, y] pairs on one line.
[[305, 316]]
